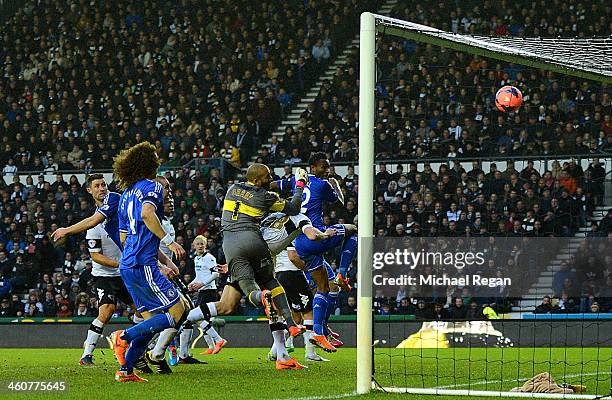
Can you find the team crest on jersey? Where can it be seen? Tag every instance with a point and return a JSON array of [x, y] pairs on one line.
[[171, 293], [91, 243]]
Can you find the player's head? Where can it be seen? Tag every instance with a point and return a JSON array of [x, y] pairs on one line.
[[96, 187], [199, 244], [135, 164], [168, 196], [319, 164], [259, 175]]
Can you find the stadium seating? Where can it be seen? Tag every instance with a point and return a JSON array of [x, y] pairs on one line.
[[437, 103], [76, 89]]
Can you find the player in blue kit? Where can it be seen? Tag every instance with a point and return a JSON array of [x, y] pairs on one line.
[[143, 270], [317, 193]]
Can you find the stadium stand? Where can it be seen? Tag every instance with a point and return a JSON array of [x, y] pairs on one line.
[[202, 87], [196, 79], [439, 103]]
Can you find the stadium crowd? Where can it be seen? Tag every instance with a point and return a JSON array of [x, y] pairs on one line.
[[81, 83], [197, 79], [418, 202], [437, 103]]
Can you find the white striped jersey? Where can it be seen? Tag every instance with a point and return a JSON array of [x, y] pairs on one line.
[[276, 228], [99, 241]]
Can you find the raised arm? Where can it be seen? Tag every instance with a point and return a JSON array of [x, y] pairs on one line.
[[79, 227], [294, 206]]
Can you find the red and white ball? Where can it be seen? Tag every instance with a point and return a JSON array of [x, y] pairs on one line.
[[508, 99]]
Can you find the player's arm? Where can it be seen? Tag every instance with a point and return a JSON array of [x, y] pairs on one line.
[[201, 279], [295, 259], [317, 235], [151, 220], [103, 260], [294, 206], [79, 227], [336, 187], [94, 245], [166, 265], [150, 203], [281, 184]]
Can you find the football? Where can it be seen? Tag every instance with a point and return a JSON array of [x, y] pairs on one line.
[[508, 99]]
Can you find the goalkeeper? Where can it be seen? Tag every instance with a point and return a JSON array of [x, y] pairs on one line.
[[248, 256]]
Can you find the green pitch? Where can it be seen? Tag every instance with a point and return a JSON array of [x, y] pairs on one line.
[[238, 374]]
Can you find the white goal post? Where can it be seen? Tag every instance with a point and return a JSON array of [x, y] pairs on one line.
[[535, 53]]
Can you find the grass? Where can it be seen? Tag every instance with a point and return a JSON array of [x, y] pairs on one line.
[[238, 374]]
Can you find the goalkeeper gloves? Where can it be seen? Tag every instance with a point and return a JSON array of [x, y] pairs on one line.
[[301, 177]]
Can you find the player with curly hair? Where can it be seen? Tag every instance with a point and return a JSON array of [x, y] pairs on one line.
[[145, 272]]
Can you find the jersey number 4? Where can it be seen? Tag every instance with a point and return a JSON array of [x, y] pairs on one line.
[[130, 213]]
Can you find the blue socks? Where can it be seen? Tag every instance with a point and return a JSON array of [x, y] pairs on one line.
[[137, 348], [156, 323], [319, 309], [349, 250], [332, 299]]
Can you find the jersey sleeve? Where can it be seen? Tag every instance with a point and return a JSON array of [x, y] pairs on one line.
[[110, 205], [154, 194], [211, 262], [122, 216], [273, 202], [94, 240], [330, 194], [286, 184], [301, 221]]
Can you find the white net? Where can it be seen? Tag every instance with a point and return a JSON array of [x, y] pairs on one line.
[[589, 58]]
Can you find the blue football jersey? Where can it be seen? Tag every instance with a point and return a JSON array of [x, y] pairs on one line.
[[141, 244], [316, 193], [109, 209]]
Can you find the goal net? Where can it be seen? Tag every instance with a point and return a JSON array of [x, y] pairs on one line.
[[504, 325]]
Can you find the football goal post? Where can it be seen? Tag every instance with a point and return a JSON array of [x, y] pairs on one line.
[[470, 358]]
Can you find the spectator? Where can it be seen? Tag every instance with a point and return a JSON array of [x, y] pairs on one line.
[[458, 310], [5, 309], [559, 278], [50, 305], [439, 313], [474, 312], [595, 309], [544, 308], [566, 304], [64, 310], [405, 307], [5, 285], [350, 308], [33, 308]]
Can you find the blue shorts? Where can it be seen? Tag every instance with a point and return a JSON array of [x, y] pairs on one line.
[[307, 248], [331, 275], [149, 288]]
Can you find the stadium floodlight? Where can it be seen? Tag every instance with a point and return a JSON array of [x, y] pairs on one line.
[[583, 58]]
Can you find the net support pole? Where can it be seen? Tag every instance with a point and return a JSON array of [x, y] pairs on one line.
[[367, 76]]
